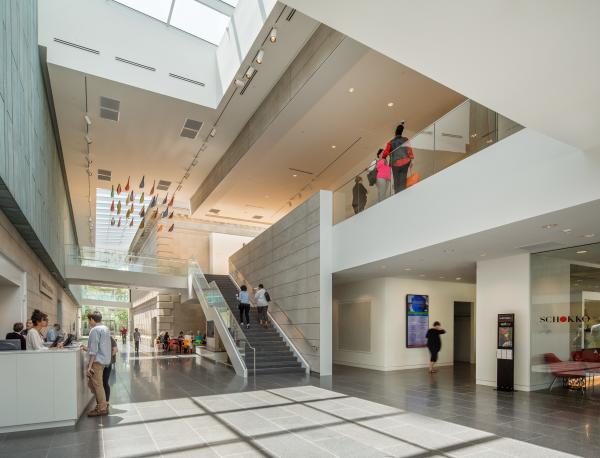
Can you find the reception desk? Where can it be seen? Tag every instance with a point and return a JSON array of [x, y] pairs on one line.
[[42, 389]]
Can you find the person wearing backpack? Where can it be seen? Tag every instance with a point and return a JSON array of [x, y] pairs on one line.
[[401, 156], [262, 303], [384, 176], [359, 195]]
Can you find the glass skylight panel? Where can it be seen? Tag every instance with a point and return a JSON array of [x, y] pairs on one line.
[[231, 2], [199, 20], [158, 9]]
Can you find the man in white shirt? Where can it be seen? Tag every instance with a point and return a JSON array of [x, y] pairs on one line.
[[99, 356]]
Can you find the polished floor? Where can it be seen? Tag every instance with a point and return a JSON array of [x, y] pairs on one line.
[[179, 406]]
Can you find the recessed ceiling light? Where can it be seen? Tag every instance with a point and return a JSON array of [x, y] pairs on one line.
[[483, 255], [351, 90], [549, 226], [442, 277], [459, 278], [490, 141], [259, 57], [589, 236], [273, 35], [333, 146], [294, 175], [581, 252], [391, 104], [407, 268], [567, 230]]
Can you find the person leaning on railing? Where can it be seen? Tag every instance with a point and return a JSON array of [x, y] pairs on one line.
[[401, 156]]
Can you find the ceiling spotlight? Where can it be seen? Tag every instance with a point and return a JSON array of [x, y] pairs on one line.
[[250, 72], [88, 121], [239, 83], [490, 141], [194, 162], [213, 132], [333, 147], [549, 226], [294, 175], [88, 139], [273, 35], [391, 104], [589, 236], [351, 90], [407, 269], [259, 57], [459, 278], [581, 252], [187, 175], [567, 230], [483, 255]]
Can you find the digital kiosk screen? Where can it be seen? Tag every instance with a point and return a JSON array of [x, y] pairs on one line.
[[506, 325], [417, 320]]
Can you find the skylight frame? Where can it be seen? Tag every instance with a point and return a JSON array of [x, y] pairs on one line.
[[227, 6]]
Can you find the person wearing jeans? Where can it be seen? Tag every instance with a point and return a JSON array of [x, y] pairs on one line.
[[99, 356], [136, 339], [401, 156], [244, 305], [384, 176], [262, 304]]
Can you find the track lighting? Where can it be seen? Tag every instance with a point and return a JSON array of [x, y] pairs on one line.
[[273, 36], [88, 139], [88, 121], [239, 83], [250, 72], [259, 57], [213, 132]]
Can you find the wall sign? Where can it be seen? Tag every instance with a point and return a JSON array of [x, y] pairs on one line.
[[417, 320], [46, 287]]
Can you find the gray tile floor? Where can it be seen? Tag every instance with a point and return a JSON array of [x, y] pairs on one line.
[[170, 406]]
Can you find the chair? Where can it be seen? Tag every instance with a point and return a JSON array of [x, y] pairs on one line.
[[551, 358], [174, 345]]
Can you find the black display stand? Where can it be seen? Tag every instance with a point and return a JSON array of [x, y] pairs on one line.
[[505, 353]]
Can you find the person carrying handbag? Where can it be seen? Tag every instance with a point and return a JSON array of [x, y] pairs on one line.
[[401, 156]]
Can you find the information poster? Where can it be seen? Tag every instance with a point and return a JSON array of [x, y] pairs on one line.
[[506, 331], [417, 320]]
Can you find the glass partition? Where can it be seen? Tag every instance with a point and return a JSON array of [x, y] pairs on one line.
[[465, 130]]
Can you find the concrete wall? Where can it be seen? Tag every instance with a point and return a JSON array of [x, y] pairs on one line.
[[222, 246], [20, 264], [387, 297], [503, 286], [29, 161], [292, 259]]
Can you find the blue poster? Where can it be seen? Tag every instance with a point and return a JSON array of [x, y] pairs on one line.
[[417, 320]]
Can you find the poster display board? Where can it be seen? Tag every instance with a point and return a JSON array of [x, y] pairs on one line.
[[417, 320], [505, 340]]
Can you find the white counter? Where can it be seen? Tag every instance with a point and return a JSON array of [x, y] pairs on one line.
[[42, 389]]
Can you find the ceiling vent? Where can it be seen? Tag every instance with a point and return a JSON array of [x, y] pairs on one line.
[[190, 128], [163, 185], [187, 80], [257, 217], [104, 175], [75, 45], [109, 108], [214, 211], [291, 15], [543, 246], [135, 64]]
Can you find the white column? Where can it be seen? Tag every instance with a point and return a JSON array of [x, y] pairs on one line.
[[326, 288]]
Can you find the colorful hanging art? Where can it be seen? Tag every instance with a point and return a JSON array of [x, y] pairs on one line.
[[152, 189], [142, 198], [127, 185], [171, 215], [119, 189], [127, 200], [131, 222], [112, 221], [112, 206], [119, 207], [159, 228], [119, 223], [172, 201], [152, 202], [131, 196], [165, 213], [112, 192], [142, 212], [142, 182], [172, 227], [155, 214], [142, 224], [164, 202]]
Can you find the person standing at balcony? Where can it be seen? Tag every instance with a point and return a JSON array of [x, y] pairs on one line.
[[359, 195], [434, 344], [244, 305], [384, 176], [401, 156]]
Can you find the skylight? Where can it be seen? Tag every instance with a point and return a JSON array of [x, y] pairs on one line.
[[191, 16]]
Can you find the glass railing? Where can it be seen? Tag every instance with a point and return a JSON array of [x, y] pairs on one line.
[[104, 293], [215, 300], [467, 129], [122, 260]]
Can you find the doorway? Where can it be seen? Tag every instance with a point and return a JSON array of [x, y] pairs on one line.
[[462, 331]]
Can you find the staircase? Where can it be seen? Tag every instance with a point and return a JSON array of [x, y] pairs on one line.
[[272, 353]]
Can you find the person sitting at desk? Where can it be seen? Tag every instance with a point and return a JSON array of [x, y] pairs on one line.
[[16, 334], [34, 338]]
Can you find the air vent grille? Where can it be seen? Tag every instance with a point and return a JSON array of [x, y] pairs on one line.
[[135, 64], [187, 80], [214, 211], [109, 108], [257, 217], [190, 128], [163, 185], [104, 175], [75, 45]]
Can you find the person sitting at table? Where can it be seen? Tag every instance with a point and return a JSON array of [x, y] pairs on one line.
[[16, 334], [180, 339], [34, 337]]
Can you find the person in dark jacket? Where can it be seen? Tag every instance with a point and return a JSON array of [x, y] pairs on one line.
[[434, 343], [401, 156], [359, 196], [17, 335]]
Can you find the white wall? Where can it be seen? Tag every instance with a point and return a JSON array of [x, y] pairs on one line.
[[388, 320], [503, 286], [510, 34], [221, 247], [532, 163]]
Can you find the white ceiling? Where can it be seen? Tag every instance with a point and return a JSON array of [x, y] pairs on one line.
[[457, 258], [323, 114]]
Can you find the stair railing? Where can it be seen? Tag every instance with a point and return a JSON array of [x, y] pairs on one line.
[[216, 309], [280, 331]]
